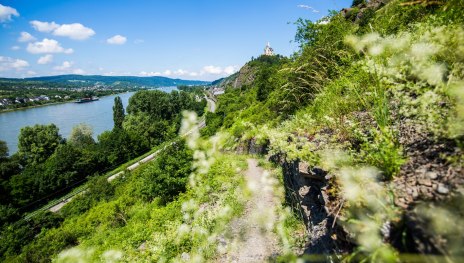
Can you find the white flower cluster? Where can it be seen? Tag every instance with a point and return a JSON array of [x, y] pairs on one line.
[[86, 255], [368, 206], [422, 70]]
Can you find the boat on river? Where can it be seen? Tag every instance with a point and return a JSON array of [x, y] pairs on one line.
[[84, 100]]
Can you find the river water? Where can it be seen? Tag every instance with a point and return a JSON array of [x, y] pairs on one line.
[[97, 114]]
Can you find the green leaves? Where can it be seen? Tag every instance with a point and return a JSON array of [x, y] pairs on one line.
[[81, 136], [168, 175], [383, 151], [37, 143], [118, 113], [3, 150]]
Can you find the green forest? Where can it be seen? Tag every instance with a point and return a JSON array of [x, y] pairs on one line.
[[47, 165], [360, 132]]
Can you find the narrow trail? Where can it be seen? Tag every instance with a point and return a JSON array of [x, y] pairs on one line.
[[252, 233]]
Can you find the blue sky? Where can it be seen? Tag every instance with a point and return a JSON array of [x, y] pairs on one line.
[[188, 39]]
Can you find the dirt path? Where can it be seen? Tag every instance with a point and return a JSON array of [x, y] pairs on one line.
[[253, 239]]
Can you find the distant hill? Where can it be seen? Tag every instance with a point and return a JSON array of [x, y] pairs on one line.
[[110, 80]]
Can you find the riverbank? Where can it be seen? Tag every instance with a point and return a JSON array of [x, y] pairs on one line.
[[36, 106], [64, 115], [56, 103]]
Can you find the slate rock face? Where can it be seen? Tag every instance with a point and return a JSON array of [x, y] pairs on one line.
[[427, 174], [307, 190]]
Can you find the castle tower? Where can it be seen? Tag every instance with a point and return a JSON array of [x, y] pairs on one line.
[[268, 51]]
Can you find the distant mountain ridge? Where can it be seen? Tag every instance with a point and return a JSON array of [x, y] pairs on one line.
[[154, 81]]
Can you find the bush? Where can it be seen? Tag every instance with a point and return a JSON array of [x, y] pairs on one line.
[[166, 177], [383, 152]]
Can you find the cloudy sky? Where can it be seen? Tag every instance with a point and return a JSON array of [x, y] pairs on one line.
[[201, 39]]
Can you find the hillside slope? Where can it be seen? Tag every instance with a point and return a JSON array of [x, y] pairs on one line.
[[361, 137], [367, 125]]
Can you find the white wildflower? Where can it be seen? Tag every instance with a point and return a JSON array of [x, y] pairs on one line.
[[433, 74], [423, 51], [112, 256]]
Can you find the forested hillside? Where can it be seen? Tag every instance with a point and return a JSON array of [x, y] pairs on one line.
[[48, 166], [359, 135]]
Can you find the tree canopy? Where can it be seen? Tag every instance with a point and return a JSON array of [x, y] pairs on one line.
[[118, 113], [37, 143]]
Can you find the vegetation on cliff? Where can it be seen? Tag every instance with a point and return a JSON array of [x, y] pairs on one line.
[[372, 99]]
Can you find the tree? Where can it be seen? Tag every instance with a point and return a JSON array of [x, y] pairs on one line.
[[168, 175], [117, 146], [3, 150], [63, 168], [81, 135], [148, 132], [118, 113], [37, 143]]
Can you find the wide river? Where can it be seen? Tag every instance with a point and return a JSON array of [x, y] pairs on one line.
[[97, 114]]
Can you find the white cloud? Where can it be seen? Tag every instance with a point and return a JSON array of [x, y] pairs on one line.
[[19, 64], [170, 73], [116, 40], [65, 66], [212, 70], [45, 59], [149, 74], [74, 31], [180, 72], [111, 73], [230, 70], [15, 48], [7, 63], [7, 12], [31, 73], [44, 26], [308, 7], [78, 71], [47, 46], [304, 6], [209, 72], [25, 37]]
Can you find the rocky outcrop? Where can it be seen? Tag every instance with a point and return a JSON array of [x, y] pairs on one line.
[[432, 177], [356, 13], [244, 77], [428, 174], [307, 190]]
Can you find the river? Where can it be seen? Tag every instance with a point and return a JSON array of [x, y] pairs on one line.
[[97, 114]]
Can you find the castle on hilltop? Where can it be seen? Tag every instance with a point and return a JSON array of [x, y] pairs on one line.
[[268, 51]]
